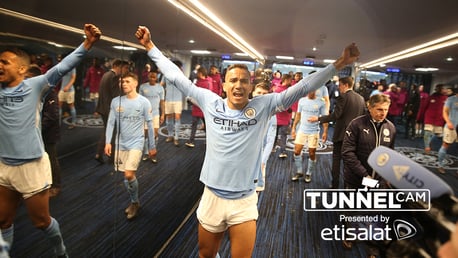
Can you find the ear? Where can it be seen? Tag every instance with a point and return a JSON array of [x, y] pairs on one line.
[[23, 70], [224, 86]]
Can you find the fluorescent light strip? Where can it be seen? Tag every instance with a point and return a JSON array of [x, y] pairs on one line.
[[414, 53], [207, 23], [446, 41], [200, 13], [224, 26], [285, 57], [201, 52], [64, 27], [426, 69], [329, 61], [121, 47]]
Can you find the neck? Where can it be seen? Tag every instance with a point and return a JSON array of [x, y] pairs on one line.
[[132, 95]]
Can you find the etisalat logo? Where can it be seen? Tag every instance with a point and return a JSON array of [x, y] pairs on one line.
[[369, 228]]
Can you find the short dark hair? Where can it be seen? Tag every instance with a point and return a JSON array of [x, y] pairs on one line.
[[240, 66], [262, 85], [378, 98], [33, 71], [286, 76], [20, 53], [347, 80], [119, 62], [131, 75]]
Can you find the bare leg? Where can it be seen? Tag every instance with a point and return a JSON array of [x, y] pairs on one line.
[[209, 243], [243, 237]]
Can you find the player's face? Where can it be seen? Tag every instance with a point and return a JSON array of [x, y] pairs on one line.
[[379, 111], [129, 85], [12, 71], [259, 91], [124, 70], [238, 88], [152, 77]]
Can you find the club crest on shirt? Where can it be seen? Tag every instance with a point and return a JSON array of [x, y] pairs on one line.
[[119, 109], [386, 132], [250, 113]]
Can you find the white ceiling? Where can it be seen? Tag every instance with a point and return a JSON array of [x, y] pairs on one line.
[[286, 27]]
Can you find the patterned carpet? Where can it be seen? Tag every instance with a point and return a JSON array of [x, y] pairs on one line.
[[90, 206]]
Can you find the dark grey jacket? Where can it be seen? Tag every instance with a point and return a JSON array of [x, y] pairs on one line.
[[348, 106], [361, 138]]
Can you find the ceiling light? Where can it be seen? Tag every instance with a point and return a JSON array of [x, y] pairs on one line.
[[329, 61], [64, 27], [285, 57], [449, 59], [202, 14], [314, 49], [439, 43], [201, 52], [191, 41], [382, 65], [426, 69], [374, 73], [241, 54], [125, 48], [55, 44]]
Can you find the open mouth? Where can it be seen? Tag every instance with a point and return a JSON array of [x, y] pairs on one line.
[[238, 94]]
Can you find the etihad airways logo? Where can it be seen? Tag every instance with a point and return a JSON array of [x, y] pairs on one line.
[[234, 125], [10, 100]]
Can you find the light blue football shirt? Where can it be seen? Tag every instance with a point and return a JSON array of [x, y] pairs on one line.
[[452, 104], [154, 93], [66, 79], [20, 109], [310, 107], [235, 137], [130, 116]]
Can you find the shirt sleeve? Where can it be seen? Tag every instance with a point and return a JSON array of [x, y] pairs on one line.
[[349, 151], [110, 122], [175, 75], [303, 87], [54, 74]]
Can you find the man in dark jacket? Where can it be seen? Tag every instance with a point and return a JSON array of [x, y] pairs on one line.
[[109, 88], [348, 106], [362, 136]]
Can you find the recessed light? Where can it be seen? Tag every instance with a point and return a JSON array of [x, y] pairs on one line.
[[191, 41], [426, 69], [328, 61], [449, 59], [201, 52], [314, 49], [285, 57]]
